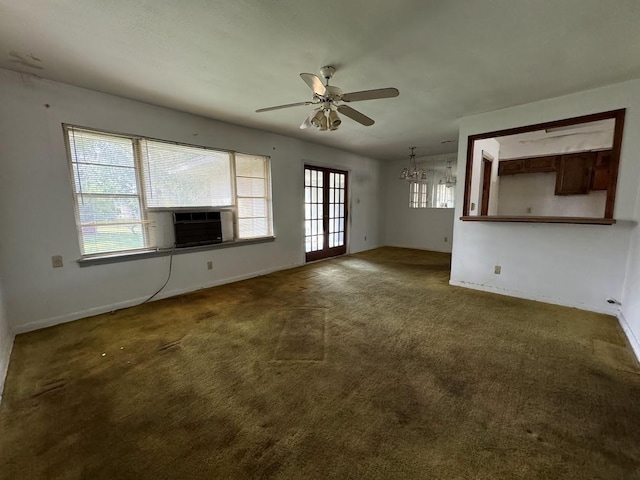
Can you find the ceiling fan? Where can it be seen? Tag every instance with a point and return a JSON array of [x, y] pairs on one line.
[[330, 100]]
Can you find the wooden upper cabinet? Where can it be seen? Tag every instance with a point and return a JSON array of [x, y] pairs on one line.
[[528, 165], [511, 167], [600, 177], [577, 173], [540, 164], [574, 173]]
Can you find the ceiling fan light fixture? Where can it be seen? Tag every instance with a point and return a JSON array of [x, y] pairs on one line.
[[334, 120], [317, 118], [323, 123]]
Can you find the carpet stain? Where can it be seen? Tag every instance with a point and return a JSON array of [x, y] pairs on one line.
[[302, 336]]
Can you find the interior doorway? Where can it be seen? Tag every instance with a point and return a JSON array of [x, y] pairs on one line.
[[325, 212], [486, 185]]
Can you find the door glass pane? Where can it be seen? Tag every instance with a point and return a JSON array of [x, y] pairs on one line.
[[313, 210], [323, 233]]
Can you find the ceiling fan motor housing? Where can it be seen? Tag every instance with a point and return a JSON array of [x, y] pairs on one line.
[[327, 72]]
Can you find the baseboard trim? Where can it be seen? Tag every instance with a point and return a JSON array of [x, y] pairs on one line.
[[413, 247], [633, 340], [70, 317], [5, 355], [538, 298]]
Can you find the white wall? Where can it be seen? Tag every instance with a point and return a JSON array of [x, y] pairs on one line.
[[537, 192], [423, 228], [6, 342], [490, 147], [575, 265], [37, 211], [630, 308]]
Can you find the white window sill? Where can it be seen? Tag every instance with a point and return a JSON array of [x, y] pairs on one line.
[[161, 252]]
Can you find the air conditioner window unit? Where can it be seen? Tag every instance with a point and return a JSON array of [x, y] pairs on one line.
[[192, 229]]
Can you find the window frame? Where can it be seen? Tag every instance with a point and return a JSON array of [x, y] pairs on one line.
[[153, 250], [145, 171], [267, 194], [140, 195]]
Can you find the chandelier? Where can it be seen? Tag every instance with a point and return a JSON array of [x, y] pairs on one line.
[[412, 173], [449, 180]]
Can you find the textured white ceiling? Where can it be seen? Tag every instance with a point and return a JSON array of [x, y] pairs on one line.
[[225, 59]]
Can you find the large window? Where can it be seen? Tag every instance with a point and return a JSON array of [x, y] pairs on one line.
[[252, 194], [118, 179], [178, 176], [110, 213]]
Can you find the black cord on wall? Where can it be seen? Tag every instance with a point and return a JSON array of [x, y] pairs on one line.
[[173, 247]]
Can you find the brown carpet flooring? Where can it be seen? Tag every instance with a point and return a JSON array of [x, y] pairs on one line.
[[368, 366]]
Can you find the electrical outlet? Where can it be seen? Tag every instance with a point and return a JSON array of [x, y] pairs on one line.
[[209, 265], [56, 261], [446, 239], [497, 269], [473, 207], [365, 238], [528, 209]]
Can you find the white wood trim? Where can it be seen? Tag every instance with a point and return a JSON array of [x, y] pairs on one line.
[[633, 340]]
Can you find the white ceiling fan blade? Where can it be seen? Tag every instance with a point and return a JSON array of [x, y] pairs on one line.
[[370, 94], [355, 115], [307, 121], [314, 83], [299, 104]]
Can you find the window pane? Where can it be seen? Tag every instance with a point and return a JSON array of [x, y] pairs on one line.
[[104, 179], [112, 238], [108, 209], [252, 207], [249, 166], [88, 147], [253, 227], [182, 176], [251, 187]]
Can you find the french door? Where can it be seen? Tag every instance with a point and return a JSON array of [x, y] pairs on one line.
[[325, 212]]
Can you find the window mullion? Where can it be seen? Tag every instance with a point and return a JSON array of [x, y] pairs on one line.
[[234, 194], [266, 165], [137, 158]]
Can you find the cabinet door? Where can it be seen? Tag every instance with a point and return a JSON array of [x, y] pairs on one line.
[[600, 179], [574, 173], [511, 167], [540, 164]]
